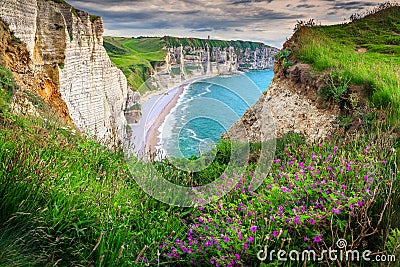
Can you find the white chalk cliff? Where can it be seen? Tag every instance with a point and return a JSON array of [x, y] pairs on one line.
[[68, 45]]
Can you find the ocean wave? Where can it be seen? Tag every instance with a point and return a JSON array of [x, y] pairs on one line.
[[193, 135]]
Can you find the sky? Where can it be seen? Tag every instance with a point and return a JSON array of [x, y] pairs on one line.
[[268, 21]]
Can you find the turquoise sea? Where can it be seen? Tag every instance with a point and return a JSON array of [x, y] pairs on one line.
[[207, 109]]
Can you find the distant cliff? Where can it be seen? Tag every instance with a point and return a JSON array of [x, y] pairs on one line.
[[141, 57], [67, 46], [217, 56]]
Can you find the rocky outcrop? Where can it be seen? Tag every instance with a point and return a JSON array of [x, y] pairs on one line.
[[67, 45], [295, 106], [219, 60], [31, 83], [21, 17]]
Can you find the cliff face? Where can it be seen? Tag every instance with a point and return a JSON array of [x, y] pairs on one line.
[[67, 45], [294, 104], [220, 60]]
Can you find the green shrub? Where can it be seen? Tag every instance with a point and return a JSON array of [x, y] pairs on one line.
[[93, 18], [283, 58], [337, 87], [345, 121], [393, 243], [7, 86]]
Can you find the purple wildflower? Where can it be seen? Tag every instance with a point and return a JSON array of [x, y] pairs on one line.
[[253, 229], [317, 238], [335, 211]]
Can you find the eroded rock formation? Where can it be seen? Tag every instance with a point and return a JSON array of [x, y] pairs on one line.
[[295, 106], [220, 60]]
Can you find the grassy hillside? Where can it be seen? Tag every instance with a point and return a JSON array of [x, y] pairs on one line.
[[136, 57], [196, 42], [365, 52]]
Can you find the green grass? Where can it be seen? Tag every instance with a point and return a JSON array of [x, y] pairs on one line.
[[195, 42], [67, 201], [6, 88], [61, 192], [366, 51], [136, 57]]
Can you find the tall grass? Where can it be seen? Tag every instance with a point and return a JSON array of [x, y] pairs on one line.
[[341, 48], [66, 200]]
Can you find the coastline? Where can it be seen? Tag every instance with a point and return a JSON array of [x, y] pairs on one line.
[[164, 104], [151, 133]]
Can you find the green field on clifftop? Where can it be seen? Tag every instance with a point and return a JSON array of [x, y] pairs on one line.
[[365, 52], [136, 57]]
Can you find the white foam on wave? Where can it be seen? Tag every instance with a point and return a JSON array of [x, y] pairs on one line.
[[193, 135], [170, 121]]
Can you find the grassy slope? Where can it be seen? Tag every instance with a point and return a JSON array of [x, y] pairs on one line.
[[62, 193], [135, 57], [340, 48]]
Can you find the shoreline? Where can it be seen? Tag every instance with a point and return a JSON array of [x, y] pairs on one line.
[[151, 140], [151, 129]]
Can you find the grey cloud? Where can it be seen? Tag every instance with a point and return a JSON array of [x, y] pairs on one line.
[[238, 2], [271, 20], [352, 5], [306, 6], [203, 30]]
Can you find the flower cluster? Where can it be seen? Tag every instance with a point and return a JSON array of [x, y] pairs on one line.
[[304, 192]]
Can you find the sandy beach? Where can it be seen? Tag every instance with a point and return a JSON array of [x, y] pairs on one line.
[[155, 108], [154, 125]]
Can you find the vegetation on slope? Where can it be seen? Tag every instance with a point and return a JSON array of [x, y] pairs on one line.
[[136, 57], [196, 42], [365, 52]]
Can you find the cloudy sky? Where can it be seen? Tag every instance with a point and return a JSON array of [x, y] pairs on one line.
[[269, 21]]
